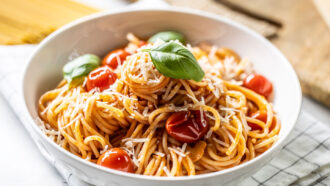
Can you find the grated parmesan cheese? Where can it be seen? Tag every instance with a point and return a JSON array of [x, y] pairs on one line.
[[228, 109], [49, 131], [220, 142], [246, 126], [131, 154], [178, 109], [209, 116], [179, 151], [135, 140], [72, 121], [106, 147], [229, 134], [159, 154], [208, 134], [167, 172], [213, 51]]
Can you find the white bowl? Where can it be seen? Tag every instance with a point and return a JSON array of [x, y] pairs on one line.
[[105, 31]]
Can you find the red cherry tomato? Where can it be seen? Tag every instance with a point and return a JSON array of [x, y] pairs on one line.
[[187, 127], [262, 116], [100, 78], [272, 126], [111, 59], [259, 84], [142, 43], [116, 158]]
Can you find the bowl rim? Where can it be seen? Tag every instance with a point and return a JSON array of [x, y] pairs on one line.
[[172, 9]]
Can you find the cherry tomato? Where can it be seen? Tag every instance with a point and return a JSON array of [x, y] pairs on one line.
[[262, 116], [259, 84], [142, 43], [187, 127], [100, 78], [272, 126], [116, 158], [111, 59]]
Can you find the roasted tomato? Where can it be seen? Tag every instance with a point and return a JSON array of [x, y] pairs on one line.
[[262, 116], [111, 59], [116, 158], [100, 79], [258, 84], [187, 127]]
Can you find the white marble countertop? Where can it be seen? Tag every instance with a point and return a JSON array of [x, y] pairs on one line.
[[21, 163]]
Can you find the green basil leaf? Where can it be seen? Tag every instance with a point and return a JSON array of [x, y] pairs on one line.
[[167, 36], [75, 70], [175, 61]]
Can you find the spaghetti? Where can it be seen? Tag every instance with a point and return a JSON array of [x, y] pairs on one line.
[[140, 113]]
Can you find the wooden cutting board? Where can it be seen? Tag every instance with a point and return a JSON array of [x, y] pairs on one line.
[[304, 38]]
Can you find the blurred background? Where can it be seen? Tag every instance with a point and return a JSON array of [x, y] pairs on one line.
[[299, 28]]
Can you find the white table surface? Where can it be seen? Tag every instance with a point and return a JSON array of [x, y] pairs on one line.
[[28, 167]]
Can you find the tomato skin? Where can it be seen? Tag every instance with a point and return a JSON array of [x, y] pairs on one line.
[[258, 84], [187, 126], [116, 158], [100, 78], [142, 43], [111, 59], [262, 116]]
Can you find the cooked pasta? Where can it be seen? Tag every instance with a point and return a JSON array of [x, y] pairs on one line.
[[166, 126]]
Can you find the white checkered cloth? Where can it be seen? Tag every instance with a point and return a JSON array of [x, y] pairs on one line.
[[304, 160]]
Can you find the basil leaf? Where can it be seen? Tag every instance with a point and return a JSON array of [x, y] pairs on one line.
[[167, 36], [75, 70], [175, 61]]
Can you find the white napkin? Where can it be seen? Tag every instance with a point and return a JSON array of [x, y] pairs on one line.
[[304, 160]]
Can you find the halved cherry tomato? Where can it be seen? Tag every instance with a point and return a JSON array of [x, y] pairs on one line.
[[100, 79], [259, 84], [116, 158], [111, 59], [262, 116], [187, 127]]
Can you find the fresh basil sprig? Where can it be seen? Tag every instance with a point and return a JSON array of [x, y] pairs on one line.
[[75, 70], [173, 60], [167, 36]]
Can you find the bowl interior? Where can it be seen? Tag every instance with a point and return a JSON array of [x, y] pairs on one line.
[[102, 33]]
